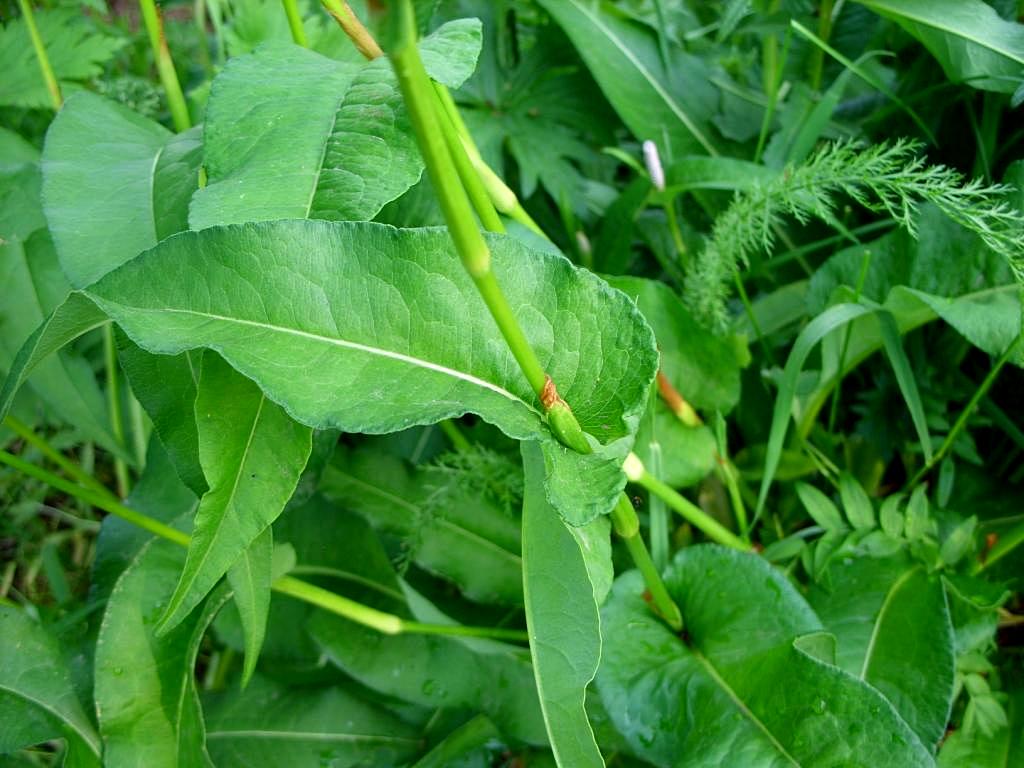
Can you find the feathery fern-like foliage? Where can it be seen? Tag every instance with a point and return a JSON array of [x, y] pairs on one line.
[[888, 178]]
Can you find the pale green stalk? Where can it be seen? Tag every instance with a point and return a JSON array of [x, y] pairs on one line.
[[291, 10], [627, 526], [354, 28], [165, 66], [287, 585], [637, 473], [52, 87], [72, 470]]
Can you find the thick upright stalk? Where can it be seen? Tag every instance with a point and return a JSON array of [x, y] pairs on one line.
[[291, 11], [52, 87], [354, 28], [165, 65], [287, 585], [422, 104], [627, 526]]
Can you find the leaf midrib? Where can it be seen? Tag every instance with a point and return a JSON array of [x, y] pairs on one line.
[[890, 595], [741, 705], [86, 737], [356, 738], [354, 345], [932, 24], [658, 88]]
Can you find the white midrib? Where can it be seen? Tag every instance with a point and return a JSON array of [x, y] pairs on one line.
[[658, 88], [386, 353], [310, 736], [86, 737], [713, 673], [889, 596]]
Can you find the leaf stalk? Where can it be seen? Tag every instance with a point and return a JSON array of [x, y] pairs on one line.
[[165, 66], [52, 86]]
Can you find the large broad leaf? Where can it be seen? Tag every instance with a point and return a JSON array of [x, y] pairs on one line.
[[746, 683], [388, 332], [460, 537], [145, 686], [972, 43], [252, 455], [563, 621], [37, 700], [670, 105], [114, 184], [893, 630], [292, 134], [270, 726]]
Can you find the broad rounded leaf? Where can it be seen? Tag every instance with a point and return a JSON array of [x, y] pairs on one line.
[[389, 332], [745, 685]]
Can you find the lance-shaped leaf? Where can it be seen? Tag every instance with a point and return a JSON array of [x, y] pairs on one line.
[[670, 105], [464, 539], [562, 618], [291, 134], [114, 184], [969, 39], [893, 630], [252, 454], [365, 328], [269, 726], [145, 693], [37, 700], [745, 684], [250, 578]]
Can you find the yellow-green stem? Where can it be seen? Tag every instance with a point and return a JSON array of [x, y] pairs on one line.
[[690, 512], [52, 86], [114, 406], [69, 467], [627, 526], [291, 11], [354, 28], [288, 585], [165, 66]]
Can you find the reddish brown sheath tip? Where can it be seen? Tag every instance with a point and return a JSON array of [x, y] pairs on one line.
[[549, 395]]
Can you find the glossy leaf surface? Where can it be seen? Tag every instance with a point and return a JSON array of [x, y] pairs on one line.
[[562, 618], [745, 685], [893, 630]]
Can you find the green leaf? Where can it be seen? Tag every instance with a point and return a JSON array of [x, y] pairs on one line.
[[562, 618], [165, 385], [33, 288], [894, 632], [252, 455], [114, 184], [464, 539], [820, 508], [145, 686], [271, 726], [250, 578], [974, 748], [969, 39], [37, 700], [741, 686], [856, 503], [76, 47], [669, 105], [291, 134], [721, 173]]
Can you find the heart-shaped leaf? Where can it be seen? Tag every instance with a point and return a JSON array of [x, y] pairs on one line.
[[745, 684]]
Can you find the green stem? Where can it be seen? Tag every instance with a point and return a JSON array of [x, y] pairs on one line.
[[138, 422], [69, 467], [165, 66], [52, 86], [114, 405], [291, 10], [965, 414], [690, 512], [824, 32], [353, 27], [677, 236], [287, 585], [627, 526], [455, 436]]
